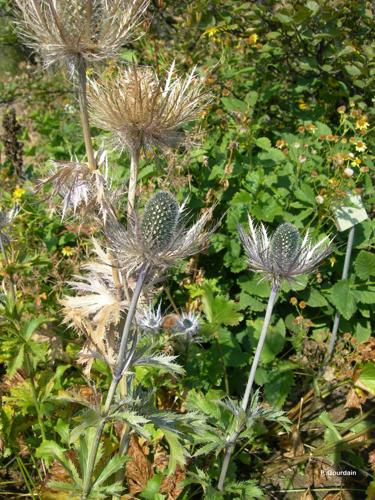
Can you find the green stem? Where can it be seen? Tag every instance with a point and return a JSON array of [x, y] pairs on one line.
[[245, 400], [122, 361], [345, 273], [35, 395], [83, 108], [6, 262]]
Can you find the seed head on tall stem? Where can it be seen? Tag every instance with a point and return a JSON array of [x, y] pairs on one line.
[[141, 112]]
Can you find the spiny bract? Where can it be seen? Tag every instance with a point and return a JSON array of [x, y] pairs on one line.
[[160, 220], [285, 244]]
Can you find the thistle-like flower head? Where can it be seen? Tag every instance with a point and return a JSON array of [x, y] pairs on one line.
[[67, 30], [151, 319], [141, 112], [159, 238], [81, 188], [284, 255], [6, 219], [187, 324]]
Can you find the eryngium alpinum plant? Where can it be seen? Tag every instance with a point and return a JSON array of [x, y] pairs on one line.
[[63, 31], [158, 239], [141, 112], [283, 256]]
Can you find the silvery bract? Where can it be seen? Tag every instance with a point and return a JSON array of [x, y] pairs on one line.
[[150, 320], [159, 239], [284, 255], [6, 219]]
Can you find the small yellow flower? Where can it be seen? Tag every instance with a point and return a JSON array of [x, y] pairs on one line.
[[311, 127], [360, 146], [293, 301], [67, 251], [341, 110], [280, 143], [362, 123], [18, 194], [302, 304], [356, 162], [332, 261], [303, 105], [252, 40]]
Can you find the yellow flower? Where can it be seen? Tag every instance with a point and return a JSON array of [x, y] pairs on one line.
[[293, 301], [67, 251], [362, 123], [302, 304], [252, 40], [332, 260], [341, 110], [303, 105], [280, 143], [18, 194], [356, 162], [360, 146]]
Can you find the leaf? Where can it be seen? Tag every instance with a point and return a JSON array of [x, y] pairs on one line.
[[316, 299], [366, 378], [114, 465], [234, 104], [263, 143], [16, 362], [177, 452], [342, 297], [161, 361], [365, 296], [33, 325], [50, 449], [365, 265], [152, 488], [218, 309]]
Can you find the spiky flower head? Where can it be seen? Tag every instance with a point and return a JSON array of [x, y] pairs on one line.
[[284, 255], [81, 188], [158, 239], [70, 30], [141, 112], [6, 219], [187, 324], [150, 319], [159, 220]]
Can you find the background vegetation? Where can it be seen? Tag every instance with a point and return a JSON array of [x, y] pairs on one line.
[[289, 131]]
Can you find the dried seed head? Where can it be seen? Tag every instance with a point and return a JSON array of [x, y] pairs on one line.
[[69, 30], [159, 220], [285, 244], [141, 112]]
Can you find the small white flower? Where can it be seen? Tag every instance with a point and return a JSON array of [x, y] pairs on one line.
[[319, 199], [348, 172]]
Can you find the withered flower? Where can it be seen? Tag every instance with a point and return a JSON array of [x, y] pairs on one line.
[[82, 188], [70, 30], [141, 112]]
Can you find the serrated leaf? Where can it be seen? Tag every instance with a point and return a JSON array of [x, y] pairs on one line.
[[16, 362], [177, 452], [366, 378], [365, 265], [263, 143], [113, 466], [342, 297], [161, 361]]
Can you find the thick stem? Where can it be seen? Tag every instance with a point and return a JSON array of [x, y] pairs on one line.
[[250, 382], [345, 273], [83, 108], [118, 372], [134, 163]]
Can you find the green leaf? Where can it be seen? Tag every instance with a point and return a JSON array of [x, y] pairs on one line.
[[365, 265], [342, 297], [365, 296], [366, 378], [316, 299], [177, 452], [16, 362], [152, 488], [218, 309], [263, 143], [32, 326], [114, 465], [234, 104]]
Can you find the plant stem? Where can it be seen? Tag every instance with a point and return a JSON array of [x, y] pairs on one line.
[[134, 163], [83, 108], [250, 382], [34, 395], [6, 262], [345, 273], [118, 372]]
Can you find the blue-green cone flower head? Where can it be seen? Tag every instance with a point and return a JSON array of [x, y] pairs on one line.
[[285, 245], [284, 255], [160, 220]]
